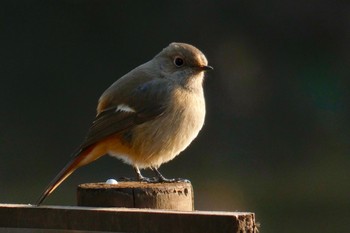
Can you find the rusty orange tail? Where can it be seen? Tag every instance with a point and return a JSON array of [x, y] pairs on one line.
[[81, 158]]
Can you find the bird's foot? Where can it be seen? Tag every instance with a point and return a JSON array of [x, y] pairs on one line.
[[153, 180], [137, 179], [146, 180], [161, 179], [174, 180]]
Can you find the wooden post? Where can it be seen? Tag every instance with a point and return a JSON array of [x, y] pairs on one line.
[[168, 196]]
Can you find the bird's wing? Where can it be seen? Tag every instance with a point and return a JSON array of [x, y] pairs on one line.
[[145, 102]]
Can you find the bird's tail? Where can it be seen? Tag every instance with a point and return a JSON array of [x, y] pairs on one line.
[[81, 158]]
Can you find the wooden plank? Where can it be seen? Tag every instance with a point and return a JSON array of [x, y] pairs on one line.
[[36, 230], [124, 219]]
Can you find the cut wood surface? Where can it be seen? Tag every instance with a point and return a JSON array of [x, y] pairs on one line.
[[170, 196], [124, 219]]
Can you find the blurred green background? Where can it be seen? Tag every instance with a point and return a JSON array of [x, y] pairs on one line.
[[276, 138]]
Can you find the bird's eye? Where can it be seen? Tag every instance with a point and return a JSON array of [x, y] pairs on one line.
[[178, 61]]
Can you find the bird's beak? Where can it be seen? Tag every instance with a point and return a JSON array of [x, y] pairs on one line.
[[206, 68]]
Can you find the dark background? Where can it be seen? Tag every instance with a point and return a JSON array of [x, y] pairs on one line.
[[276, 138]]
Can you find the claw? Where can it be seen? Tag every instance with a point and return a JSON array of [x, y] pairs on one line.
[[160, 178]]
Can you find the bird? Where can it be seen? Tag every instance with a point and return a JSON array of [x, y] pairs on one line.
[[148, 116]]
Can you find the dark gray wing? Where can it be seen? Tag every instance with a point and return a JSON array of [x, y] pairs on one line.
[[149, 100]]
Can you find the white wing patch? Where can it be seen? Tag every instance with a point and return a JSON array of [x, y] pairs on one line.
[[124, 108]]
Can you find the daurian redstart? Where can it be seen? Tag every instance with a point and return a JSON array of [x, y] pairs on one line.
[[148, 116]]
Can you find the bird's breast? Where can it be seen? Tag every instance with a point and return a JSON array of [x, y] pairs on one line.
[[160, 140]]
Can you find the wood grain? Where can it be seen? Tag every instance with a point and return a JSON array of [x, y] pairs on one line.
[[124, 219], [170, 196]]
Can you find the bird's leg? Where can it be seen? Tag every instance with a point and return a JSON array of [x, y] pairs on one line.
[[161, 178], [140, 177]]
